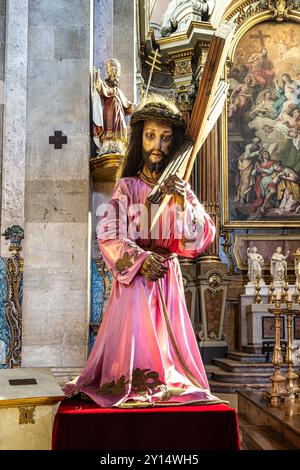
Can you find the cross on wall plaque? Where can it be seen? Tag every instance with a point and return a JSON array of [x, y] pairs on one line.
[[58, 139]]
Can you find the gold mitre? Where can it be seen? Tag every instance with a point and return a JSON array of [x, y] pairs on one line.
[[113, 63]]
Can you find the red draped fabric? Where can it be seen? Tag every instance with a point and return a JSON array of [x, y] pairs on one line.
[[80, 425]]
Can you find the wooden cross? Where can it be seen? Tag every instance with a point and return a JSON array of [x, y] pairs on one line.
[[58, 139], [261, 37], [207, 108]]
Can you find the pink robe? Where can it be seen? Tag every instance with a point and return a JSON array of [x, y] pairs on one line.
[[146, 352]]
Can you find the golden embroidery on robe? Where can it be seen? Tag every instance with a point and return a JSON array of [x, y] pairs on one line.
[[126, 262], [113, 388], [142, 381], [171, 392]]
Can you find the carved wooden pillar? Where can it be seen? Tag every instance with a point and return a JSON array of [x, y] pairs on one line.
[[14, 281], [208, 179]]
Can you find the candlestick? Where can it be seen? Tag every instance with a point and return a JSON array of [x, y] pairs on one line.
[[291, 376], [278, 391], [278, 294], [257, 299], [286, 289], [298, 293], [271, 298]]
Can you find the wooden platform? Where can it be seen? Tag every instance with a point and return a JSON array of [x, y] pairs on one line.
[[264, 427]]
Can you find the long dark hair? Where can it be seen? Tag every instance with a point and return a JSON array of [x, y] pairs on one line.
[[133, 161]]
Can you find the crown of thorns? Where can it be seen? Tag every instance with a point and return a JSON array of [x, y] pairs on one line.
[[160, 112]]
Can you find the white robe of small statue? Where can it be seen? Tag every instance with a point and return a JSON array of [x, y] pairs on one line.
[[297, 266], [278, 266], [255, 265]]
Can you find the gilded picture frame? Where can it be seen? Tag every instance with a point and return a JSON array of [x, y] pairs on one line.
[[265, 243], [260, 127]]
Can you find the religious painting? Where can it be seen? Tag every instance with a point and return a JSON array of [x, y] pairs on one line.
[[261, 155], [268, 328]]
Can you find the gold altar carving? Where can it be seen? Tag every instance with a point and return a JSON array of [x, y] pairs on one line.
[[105, 167], [13, 311], [226, 235], [26, 414], [214, 282], [280, 9]]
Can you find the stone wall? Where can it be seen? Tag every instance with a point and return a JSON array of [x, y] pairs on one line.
[[55, 311], [124, 49]]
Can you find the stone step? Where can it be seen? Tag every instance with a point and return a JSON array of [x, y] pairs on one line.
[[263, 438], [245, 377], [244, 357], [234, 387], [242, 422], [210, 369], [283, 419], [240, 367]]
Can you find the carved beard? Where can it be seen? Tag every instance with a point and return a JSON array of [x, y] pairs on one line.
[[158, 167]]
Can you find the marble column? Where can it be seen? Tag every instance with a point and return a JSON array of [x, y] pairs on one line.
[[55, 301], [114, 20], [103, 26], [14, 116]]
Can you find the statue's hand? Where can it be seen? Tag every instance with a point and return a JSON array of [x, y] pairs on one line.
[[96, 78], [153, 267], [177, 187]]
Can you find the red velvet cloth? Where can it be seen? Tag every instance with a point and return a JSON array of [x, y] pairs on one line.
[[80, 425]]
